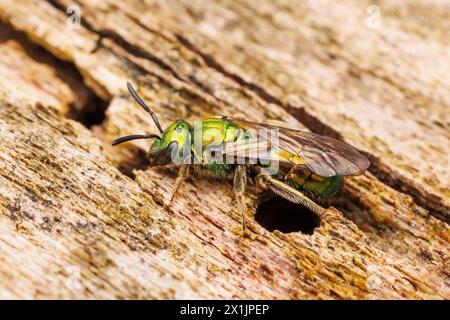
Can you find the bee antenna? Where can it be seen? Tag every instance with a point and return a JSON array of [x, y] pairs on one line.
[[135, 137], [144, 106]]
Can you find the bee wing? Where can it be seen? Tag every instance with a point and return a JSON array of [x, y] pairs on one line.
[[322, 155]]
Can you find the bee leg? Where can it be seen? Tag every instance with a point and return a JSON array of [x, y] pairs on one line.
[[183, 173], [239, 182], [291, 194]]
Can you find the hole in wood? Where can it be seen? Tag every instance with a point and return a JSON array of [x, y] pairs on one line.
[[285, 216], [87, 108], [93, 113]]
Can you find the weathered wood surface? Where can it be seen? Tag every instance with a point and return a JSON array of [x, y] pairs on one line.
[[81, 219]]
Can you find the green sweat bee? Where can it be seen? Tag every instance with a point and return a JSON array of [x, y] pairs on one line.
[[291, 163]]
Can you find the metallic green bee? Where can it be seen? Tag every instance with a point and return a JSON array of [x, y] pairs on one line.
[[290, 163]]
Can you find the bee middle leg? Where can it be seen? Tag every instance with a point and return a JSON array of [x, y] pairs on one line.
[[291, 194], [239, 182]]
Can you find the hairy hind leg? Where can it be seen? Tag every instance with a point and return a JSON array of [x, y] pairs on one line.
[[240, 180], [291, 194]]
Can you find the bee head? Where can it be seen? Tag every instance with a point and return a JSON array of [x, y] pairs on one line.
[[174, 145]]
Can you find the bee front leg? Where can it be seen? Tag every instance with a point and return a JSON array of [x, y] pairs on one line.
[[183, 173], [290, 194], [239, 182]]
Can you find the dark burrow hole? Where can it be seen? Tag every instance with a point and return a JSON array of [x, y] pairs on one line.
[[92, 113], [88, 108], [285, 216]]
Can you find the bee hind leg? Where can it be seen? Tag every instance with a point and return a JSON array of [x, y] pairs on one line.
[[293, 195], [239, 182]]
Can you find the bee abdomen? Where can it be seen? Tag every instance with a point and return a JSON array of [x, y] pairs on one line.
[[314, 184]]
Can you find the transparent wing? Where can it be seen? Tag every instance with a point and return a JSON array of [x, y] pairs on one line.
[[322, 155]]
